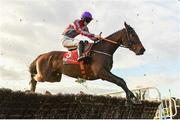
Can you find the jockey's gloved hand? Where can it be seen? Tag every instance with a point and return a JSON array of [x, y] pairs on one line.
[[98, 37]]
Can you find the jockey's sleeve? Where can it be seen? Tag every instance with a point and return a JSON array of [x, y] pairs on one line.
[[92, 38], [82, 32]]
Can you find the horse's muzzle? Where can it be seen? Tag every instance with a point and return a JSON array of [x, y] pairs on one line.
[[141, 51]]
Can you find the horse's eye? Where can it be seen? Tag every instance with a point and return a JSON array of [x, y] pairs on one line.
[[133, 35]]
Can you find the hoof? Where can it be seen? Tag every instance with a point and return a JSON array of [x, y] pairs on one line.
[[135, 101], [132, 99]]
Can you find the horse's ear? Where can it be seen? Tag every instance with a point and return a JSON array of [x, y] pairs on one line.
[[125, 24]]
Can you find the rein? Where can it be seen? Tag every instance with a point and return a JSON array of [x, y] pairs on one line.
[[113, 42], [116, 43], [110, 41]]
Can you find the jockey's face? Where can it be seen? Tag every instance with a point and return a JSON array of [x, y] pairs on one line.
[[86, 22]]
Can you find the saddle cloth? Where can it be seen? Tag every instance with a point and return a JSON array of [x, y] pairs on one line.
[[71, 57]]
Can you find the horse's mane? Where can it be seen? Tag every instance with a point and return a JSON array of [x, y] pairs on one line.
[[113, 34], [129, 28]]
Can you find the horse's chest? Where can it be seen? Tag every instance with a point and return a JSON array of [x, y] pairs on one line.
[[108, 65], [103, 63]]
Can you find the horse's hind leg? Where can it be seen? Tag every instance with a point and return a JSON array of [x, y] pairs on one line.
[[44, 70], [55, 77], [40, 67]]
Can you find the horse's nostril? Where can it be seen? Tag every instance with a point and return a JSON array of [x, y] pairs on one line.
[[142, 50]]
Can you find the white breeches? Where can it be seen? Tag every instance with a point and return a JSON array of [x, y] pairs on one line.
[[69, 43]]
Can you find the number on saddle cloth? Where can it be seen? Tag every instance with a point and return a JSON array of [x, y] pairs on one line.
[[71, 56]]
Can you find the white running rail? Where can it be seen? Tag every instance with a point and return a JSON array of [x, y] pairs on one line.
[[167, 109]]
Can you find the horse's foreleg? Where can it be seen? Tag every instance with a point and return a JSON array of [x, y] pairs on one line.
[[108, 76]]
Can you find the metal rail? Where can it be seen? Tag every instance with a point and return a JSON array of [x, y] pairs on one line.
[[136, 90], [166, 108]]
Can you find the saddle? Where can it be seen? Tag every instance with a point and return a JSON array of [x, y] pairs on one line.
[[71, 57]]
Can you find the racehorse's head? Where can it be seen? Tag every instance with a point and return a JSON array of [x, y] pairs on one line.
[[131, 40]]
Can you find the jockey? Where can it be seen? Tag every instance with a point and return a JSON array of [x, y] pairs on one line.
[[78, 27]]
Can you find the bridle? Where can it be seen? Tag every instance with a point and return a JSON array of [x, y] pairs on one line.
[[116, 43]]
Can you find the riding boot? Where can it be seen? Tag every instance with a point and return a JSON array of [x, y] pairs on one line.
[[80, 51]]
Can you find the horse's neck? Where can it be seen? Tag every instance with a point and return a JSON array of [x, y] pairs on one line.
[[108, 47]]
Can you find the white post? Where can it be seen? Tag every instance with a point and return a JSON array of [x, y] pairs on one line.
[[170, 104]]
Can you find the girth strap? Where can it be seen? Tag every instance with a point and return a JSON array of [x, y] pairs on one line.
[[82, 69], [102, 53]]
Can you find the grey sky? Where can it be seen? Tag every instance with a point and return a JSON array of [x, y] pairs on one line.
[[30, 27]]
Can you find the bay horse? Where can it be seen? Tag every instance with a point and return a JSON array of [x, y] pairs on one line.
[[50, 65]]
